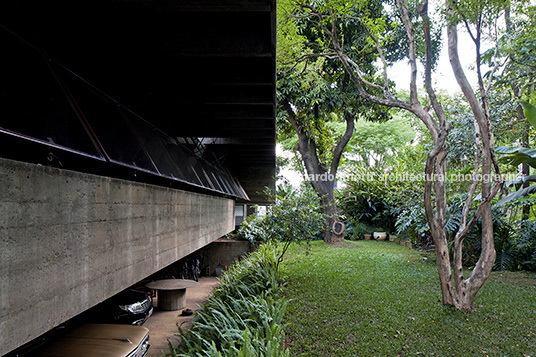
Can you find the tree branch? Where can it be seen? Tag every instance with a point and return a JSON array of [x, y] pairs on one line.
[[438, 109], [410, 31], [459, 74], [339, 149], [306, 147], [380, 53], [478, 211]]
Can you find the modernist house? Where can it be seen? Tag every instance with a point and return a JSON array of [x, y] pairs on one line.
[[129, 129]]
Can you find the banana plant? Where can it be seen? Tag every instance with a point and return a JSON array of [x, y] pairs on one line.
[[520, 155]]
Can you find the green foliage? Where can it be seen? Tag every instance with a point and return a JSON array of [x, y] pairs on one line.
[[317, 88], [294, 216], [523, 245], [461, 136], [515, 81], [504, 260], [530, 112], [507, 126], [390, 197], [291, 43], [411, 222], [244, 315], [366, 198], [515, 241], [520, 193], [515, 156], [355, 230], [374, 143], [252, 229], [515, 206], [518, 44], [519, 155], [319, 97]]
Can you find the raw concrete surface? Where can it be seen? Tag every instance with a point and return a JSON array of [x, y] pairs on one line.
[[224, 252], [69, 240], [163, 324]]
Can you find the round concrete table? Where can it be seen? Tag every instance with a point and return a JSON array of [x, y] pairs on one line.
[[171, 292]]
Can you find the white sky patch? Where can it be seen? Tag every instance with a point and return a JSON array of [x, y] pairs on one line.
[[292, 177], [443, 77]]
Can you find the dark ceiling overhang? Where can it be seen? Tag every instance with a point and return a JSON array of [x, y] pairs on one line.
[[194, 69]]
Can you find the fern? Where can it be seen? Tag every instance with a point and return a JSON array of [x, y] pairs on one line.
[[504, 261]]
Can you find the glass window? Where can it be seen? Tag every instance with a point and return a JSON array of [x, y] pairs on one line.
[[109, 126], [32, 102]]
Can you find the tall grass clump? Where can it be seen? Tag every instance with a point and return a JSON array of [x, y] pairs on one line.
[[243, 317]]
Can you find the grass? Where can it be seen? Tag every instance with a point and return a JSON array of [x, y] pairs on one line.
[[371, 298]]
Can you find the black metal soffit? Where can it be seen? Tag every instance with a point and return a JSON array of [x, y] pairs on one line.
[[193, 69]]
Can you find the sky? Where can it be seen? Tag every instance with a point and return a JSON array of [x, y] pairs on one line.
[[443, 77], [293, 177]]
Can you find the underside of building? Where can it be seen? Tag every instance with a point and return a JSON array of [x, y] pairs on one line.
[[128, 131]]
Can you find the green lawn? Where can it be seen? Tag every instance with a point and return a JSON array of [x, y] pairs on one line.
[[371, 298]]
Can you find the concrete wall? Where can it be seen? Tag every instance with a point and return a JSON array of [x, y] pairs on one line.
[[69, 240], [223, 252]]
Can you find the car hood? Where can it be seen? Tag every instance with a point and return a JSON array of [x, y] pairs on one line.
[[97, 340], [129, 297]]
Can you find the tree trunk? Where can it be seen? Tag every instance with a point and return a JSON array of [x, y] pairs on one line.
[[331, 212], [466, 289], [525, 170], [322, 180]]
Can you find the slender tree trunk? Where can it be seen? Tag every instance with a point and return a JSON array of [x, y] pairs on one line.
[[466, 289], [525, 169]]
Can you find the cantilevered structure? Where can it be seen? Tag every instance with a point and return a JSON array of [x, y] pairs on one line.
[[128, 130]]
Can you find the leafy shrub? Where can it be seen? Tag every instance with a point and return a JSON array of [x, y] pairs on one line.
[[293, 217], [366, 200], [411, 222], [244, 315], [523, 245], [515, 243], [252, 229], [355, 230]]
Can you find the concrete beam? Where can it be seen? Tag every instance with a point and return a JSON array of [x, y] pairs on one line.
[[70, 240]]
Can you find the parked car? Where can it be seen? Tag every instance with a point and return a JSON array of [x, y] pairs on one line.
[[100, 340], [131, 307], [73, 339]]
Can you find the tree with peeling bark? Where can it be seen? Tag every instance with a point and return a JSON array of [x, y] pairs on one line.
[[312, 91], [406, 30]]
